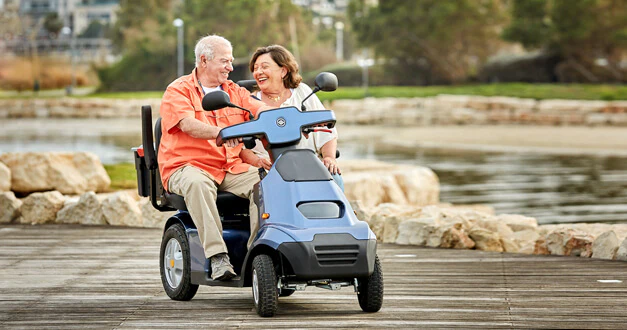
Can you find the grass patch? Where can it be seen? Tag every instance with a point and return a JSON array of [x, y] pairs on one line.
[[522, 90], [123, 176], [127, 95]]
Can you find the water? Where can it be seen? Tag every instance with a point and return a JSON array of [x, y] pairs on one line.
[[551, 188]]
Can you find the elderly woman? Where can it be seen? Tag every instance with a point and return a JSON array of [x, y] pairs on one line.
[[276, 72]]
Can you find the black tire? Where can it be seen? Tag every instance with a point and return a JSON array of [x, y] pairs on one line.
[[286, 292], [185, 290], [370, 293], [264, 286]]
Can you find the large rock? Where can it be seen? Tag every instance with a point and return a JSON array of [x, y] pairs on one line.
[[41, 207], [151, 217], [569, 242], [374, 182], [120, 209], [86, 210], [69, 173], [9, 207], [621, 254], [380, 216], [605, 246], [540, 246], [486, 240], [415, 231], [526, 240], [518, 222], [457, 238], [5, 178]]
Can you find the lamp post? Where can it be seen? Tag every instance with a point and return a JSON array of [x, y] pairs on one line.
[[365, 63], [68, 31], [179, 37], [339, 39]]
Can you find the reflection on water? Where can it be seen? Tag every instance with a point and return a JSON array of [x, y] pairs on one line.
[[550, 188], [110, 139]]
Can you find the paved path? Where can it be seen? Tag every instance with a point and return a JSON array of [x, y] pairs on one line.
[[65, 277]]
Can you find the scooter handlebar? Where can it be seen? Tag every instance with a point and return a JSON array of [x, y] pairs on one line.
[[279, 126]]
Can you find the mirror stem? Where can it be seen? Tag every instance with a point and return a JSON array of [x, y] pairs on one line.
[[249, 112], [302, 106]]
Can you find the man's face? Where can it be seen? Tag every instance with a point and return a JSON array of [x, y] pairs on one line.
[[217, 70]]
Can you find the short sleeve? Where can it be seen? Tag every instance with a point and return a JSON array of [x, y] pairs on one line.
[[175, 105]]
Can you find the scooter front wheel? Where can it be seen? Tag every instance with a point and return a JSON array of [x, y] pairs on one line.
[[264, 286], [370, 293], [175, 265]]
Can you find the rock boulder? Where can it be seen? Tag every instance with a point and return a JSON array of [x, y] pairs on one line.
[[605, 246], [68, 173], [41, 207], [120, 209], [5, 178], [86, 210], [9, 207]]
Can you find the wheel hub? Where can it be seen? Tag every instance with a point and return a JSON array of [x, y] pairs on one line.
[[255, 287], [173, 263]]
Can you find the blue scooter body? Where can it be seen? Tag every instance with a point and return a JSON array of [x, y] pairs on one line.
[[311, 229]]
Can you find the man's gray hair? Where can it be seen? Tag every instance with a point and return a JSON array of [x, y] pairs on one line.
[[206, 46]]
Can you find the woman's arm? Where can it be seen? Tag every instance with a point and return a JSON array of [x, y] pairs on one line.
[[249, 157], [328, 156]]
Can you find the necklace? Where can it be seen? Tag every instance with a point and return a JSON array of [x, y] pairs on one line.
[[275, 99]]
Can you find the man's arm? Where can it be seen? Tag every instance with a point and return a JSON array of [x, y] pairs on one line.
[[199, 130]]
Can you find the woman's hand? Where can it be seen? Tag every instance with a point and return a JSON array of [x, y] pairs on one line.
[[331, 165], [263, 162]]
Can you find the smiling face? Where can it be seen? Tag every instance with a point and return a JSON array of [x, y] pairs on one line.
[[216, 71], [268, 74]]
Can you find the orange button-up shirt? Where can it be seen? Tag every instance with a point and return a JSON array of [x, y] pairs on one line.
[[183, 99]]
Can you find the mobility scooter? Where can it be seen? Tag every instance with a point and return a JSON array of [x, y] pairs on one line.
[[308, 233]]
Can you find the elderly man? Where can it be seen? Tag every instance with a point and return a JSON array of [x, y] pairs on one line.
[[190, 162]]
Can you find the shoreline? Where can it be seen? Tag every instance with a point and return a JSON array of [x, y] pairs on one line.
[[558, 140]]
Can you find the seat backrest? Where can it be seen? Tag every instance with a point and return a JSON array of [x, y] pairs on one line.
[[157, 136], [149, 150], [250, 85]]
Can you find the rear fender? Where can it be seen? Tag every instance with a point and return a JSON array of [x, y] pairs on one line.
[[181, 217]]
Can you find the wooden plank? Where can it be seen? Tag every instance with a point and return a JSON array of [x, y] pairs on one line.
[[81, 277]]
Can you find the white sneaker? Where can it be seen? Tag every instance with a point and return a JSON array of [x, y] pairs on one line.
[[221, 268]]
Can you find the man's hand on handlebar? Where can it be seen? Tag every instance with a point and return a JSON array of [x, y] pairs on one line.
[[232, 143]]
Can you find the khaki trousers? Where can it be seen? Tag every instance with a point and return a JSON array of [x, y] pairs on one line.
[[200, 193]]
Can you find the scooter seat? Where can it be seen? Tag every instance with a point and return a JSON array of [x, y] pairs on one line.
[[228, 204]]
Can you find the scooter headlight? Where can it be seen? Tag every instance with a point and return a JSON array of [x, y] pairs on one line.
[[320, 210]]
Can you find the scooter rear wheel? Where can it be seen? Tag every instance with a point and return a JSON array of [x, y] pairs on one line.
[[370, 293], [174, 262], [264, 286]]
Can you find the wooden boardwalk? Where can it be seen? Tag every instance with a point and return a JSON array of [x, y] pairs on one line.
[[81, 277]]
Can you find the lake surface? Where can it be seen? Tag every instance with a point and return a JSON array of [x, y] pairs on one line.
[[551, 188]]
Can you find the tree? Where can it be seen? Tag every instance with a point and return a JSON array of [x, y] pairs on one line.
[[589, 35], [144, 30], [452, 37], [53, 24]]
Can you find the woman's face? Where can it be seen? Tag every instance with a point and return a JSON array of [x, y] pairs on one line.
[[268, 74]]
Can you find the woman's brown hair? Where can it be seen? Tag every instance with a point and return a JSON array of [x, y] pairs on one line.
[[283, 58]]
